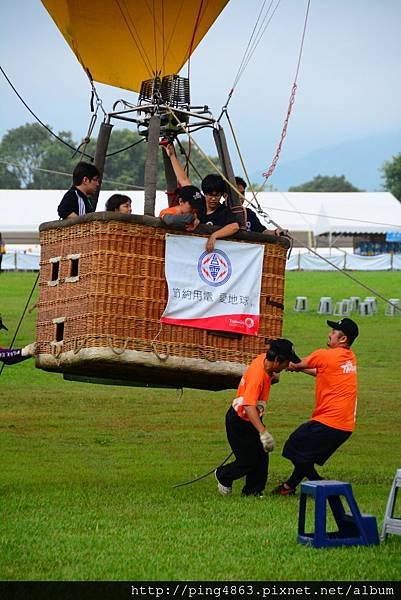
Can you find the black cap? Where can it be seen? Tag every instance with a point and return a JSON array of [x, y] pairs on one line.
[[347, 326], [191, 194], [2, 326], [284, 348]]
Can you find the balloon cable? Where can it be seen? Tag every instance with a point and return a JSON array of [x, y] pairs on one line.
[[205, 475], [22, 317]]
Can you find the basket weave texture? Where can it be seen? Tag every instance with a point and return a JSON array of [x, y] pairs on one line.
[[121, 292]]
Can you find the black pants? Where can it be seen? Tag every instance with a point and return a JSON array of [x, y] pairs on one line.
[[250, 461], [313, 442]]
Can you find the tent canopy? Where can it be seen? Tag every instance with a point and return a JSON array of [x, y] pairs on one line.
[[22, 211]]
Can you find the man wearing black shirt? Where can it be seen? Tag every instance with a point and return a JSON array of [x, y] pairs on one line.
[[252, 222], [210, 210], [77, 202]]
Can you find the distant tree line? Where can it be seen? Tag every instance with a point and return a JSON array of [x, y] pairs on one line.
[[31, 158]]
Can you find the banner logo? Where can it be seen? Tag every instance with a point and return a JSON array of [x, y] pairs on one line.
[[214, 268]]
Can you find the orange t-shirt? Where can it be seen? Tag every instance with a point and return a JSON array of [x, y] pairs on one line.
[[336, 387], [171, 210], [253, 389]]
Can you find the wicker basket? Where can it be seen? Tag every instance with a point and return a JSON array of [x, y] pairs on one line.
[[103, 291]]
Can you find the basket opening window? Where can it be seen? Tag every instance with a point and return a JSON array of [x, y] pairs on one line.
[[55, 270], [74, 267], [59, 331]]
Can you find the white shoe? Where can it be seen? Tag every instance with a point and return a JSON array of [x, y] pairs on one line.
[[223, 489]]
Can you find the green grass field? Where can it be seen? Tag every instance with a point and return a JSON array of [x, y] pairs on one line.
[[87, 471]]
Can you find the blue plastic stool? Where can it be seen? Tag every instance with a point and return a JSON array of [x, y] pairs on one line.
[[354, 529]]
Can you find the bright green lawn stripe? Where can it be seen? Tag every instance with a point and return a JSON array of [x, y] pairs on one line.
[[87, 471]]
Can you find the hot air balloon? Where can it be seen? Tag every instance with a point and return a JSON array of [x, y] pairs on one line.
[[125, 42], [103, 285]]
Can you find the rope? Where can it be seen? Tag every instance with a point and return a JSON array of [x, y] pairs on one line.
[[345, 273], [137, 40], [117, 351], [205, 475], [215, 167], [154, 34], [78, 347], [188, 160], [162, 357], [121, 184], [172, 35], [253, 42], [22, 317], [39, 120], [270, 220], [273, 165], [191, 44], [126, 148], [56, 349]]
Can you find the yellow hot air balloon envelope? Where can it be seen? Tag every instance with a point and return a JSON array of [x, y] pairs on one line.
[[124, 42]]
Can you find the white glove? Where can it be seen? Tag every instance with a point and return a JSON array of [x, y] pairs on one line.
[[267, 441], [28, 350]]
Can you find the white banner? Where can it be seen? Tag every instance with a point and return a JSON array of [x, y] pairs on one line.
[[217, 290]]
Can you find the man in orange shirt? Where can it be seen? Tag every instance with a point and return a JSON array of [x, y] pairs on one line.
[[333, 419], [247, 435]]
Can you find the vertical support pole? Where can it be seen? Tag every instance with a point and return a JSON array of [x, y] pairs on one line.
[[100, 154], [227, 168], [151, 165], [171, 179]]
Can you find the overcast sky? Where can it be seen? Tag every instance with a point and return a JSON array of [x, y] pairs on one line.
[[348, 86]]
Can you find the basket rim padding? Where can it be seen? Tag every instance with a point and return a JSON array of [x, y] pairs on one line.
[[105, 217]]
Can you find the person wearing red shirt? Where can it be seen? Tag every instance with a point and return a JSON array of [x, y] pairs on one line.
[[248, 437], [333, 419]]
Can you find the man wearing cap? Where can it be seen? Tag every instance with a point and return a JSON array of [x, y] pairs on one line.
[[210, 210], [333, 419], [248, 437], [11, 356]]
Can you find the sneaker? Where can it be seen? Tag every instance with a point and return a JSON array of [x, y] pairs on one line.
[[224, 490], [283, 490]]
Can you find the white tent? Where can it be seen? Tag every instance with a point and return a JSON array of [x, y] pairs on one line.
[[338, 213], [22, 211]]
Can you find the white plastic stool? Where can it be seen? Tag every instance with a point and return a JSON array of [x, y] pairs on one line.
[[366, 309], [301, 304], [392, 524], [355, 302], [373, 301], [391, 309], [343, 308], [325, 306]]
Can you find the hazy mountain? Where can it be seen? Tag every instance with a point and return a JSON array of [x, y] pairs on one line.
[[359, 160]]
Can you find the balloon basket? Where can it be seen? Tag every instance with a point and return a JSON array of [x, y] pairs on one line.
[[103, 291]]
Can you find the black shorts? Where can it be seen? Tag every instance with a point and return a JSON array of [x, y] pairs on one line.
[[313, 442]]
